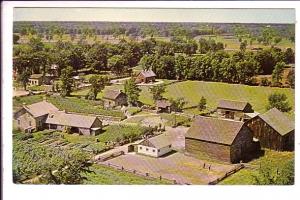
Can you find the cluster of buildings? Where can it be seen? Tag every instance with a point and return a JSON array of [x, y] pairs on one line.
[[44, 115], [235, 134]]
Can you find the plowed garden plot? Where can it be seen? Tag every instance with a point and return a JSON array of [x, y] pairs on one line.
[[177, 166]]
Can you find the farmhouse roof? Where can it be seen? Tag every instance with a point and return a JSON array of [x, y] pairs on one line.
[[278, 121], [70, 119], [216, 130], [163, 103], [148, 73], [40, 108], [157, 142], [36, 76], [232, 105], [112, 94]]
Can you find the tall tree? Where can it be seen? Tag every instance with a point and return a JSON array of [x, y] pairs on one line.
[[132, 91], [66, 81], [177, 104], [279, 101], [157, 91], [97, 84], [277, 73], [202, 104], [117, 64], [24, 78]]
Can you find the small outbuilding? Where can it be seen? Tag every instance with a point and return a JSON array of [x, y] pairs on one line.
[[145, 76], [163, 106], [237, 110], [221, 139], [274, 130], [36, 79], [114, 98], [81, 124], [155, 146]]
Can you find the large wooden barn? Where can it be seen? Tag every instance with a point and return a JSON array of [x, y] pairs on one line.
[[274, 130], [221, 139]]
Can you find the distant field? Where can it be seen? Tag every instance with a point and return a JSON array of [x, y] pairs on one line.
[[233, 43]]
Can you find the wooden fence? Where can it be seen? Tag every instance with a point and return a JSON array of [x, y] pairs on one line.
[[236, 169], [146, 175]]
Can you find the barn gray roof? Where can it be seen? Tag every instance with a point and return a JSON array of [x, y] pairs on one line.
[[70, 119], [163, 103], [278, 121], [232, 105], [216, 130], [36, 76], [157, 142], [148, 73], [40, 108], [112, 94]]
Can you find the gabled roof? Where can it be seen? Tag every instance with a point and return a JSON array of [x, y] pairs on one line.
[[112, 94], [163, 103], [36, 76], [216, 130], [40, 108], [278, 121], [148, 73], [232, 105], [70, 119], [157, 142]]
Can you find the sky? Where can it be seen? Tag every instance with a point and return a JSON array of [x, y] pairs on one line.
[[156, 15]]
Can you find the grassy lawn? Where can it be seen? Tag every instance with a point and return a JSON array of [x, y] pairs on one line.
[[213, 92], [245, 176], [109, 176]]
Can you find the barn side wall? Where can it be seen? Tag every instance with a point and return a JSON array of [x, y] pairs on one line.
[[203, 149], [268, 137]]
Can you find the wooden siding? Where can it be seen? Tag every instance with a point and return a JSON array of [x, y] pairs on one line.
[[270, 138], [203, 149]]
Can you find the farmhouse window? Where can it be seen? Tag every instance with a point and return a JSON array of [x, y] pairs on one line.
[[147, 149], [170, 146], [153, 150], [18, 122], [29, 123], [141, 147], [158, 150]]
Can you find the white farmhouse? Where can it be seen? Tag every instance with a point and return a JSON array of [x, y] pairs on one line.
[[155, 146]]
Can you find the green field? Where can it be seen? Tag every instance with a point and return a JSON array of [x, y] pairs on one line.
[[108, 176], [246, 176], [234, 44], [192, 91]]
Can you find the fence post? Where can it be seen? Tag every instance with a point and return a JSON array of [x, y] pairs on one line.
[[174, 181], [160, 177], [147, 174]]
